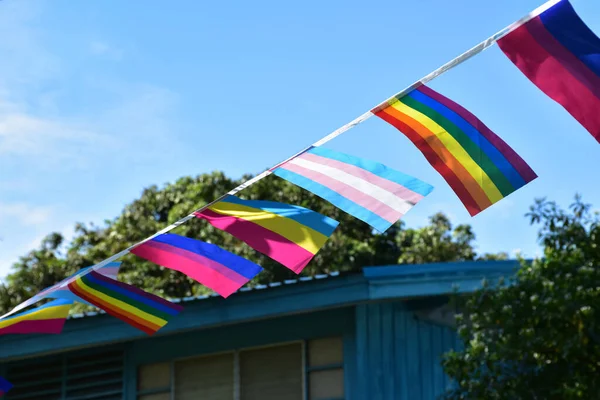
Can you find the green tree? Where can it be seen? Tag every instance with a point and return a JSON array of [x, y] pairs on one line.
[[351, 247], [537, 335]]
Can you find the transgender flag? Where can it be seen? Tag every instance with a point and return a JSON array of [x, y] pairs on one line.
[[218, 269], [561, 56], [369, 191]]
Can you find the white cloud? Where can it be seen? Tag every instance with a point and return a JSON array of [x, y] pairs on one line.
[[101, 48], [24, 214]]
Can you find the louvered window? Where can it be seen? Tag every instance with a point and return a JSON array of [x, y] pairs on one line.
[[279, 372], [73, 376]]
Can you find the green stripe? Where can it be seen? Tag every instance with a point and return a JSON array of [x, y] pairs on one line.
[[474, 151], [134, 303]]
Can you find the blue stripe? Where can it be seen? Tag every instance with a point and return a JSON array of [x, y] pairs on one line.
[[409, 182], [53, 303], [132, 295], [304, 216], [234, 262], [336, 199], [513, 176], [565, 25], [5, 385]]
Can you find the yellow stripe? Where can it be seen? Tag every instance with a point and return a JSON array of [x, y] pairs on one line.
[[55, 312], [455, 149], [124, 306], [294, 231]]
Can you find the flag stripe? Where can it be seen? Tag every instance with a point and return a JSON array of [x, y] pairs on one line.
[[303, 216], [569, 29], [334, 198], [5, 386], [552, 78], [349, 190], [116, 308], [210, 251], [445, 156], [48, 318], [127, 296], [568, 60], [47, 326], [384, 184], [290, 230], [261, 239], [455, 148], [502, 173], [189, 262], [373, 172], [515, 160], [220, 270]]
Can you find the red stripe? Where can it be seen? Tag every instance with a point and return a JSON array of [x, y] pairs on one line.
[[511, 156], [437, 163], [553, 78], [112, 310]]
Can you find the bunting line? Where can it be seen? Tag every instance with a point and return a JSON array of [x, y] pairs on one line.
[[441, 70]]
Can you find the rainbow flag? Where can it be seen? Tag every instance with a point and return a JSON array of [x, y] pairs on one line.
[[561, 56], [479, 166], [5, 386], [291, 235], [48, 318], [218, 269], [136, 307], [369, 191]]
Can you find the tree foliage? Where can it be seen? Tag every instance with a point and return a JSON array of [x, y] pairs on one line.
[[351, 247], [537, 335]]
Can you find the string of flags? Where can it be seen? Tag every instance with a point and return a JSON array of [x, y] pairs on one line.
[[553, 48]]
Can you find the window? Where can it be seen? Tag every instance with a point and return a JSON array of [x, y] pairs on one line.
[[279, 372], [90, 376], [325, 369]]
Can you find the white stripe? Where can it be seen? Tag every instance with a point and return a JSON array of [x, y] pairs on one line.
[[366, 187]]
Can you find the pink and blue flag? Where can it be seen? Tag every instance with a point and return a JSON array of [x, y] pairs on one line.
[[368, 190], [218, 269], [5, 386], [561, 56]]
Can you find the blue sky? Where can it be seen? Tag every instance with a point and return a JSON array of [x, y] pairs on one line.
[[99, 99]]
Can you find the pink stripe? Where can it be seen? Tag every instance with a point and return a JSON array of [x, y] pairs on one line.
[[50, 326], [208, 272], [548, 74], [390, 186], [383, 210], [513, 158], [261, 239]]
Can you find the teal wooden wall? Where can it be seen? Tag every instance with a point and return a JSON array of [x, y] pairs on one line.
[[397, 355]]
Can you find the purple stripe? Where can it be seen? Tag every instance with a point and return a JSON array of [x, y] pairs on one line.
[[199, 259], [48, 326], [571, 63], [516, 161]]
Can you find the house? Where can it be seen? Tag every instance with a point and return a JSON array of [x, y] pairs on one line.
[[377, 334]]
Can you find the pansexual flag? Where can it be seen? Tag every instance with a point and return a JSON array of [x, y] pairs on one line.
[[136, 307], [369, 191], [291, 235], [5, 386], [218, 269], [49, 318], [561, 56], [479, 166]]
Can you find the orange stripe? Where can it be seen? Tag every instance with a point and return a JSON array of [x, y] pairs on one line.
[[470, 183], [137, 321]]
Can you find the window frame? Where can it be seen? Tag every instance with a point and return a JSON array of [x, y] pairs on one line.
[[305, 369]]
